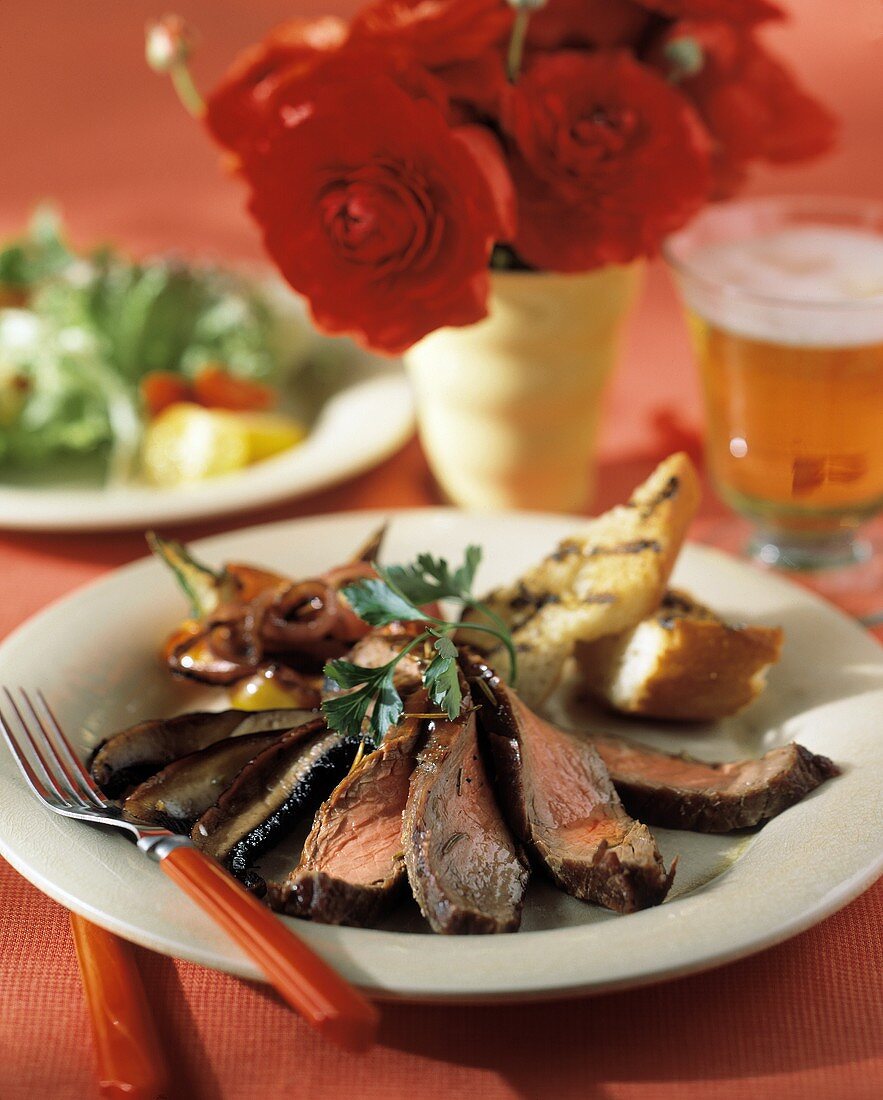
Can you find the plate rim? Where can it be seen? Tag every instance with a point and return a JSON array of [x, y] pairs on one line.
[[35, 509], [835, 898]]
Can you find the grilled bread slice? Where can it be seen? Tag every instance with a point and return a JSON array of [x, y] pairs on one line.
[[683, 662], [602, 580]]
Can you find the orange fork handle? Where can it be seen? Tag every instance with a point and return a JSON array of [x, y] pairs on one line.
[[306, 982], [130, 1059]]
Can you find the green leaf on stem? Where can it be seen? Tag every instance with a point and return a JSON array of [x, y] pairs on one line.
[[377, 604], [430, 578], [441, 679]]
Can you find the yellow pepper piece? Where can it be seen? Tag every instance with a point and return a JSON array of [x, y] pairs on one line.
[[261, 692]]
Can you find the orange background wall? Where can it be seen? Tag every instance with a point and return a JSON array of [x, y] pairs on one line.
[[83, 121]]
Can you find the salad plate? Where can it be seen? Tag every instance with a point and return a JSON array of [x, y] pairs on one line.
[[141, 392], [337, 447], [95, 656]]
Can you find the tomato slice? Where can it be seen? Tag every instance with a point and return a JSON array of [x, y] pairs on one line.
[[162, 388], [217, 388]]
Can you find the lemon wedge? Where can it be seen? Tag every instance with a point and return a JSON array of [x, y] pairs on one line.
[[270, 433], [187, 443]]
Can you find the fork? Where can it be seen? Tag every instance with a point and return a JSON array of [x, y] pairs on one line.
[[61, 782]]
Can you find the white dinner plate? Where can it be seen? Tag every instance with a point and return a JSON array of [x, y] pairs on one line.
[[359, 426], [95, 655]]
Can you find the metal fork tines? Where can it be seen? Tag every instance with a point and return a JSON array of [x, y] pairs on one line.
[[51, 766]]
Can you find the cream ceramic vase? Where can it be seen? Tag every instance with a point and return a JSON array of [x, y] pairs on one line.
[[508, 408]]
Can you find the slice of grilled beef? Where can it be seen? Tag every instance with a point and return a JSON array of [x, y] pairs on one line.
[[352, 868], [278, 789], [561, 803], [681, 793], [132, 755], [176, 796], [463, 865]]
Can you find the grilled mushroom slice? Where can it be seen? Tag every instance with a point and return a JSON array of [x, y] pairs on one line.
[[281, 786], [135, 753], [176, 796]]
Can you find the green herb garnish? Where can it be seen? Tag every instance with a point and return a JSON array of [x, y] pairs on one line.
[[397, 596]]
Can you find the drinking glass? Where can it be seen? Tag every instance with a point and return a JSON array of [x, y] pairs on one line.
[[784, 299]]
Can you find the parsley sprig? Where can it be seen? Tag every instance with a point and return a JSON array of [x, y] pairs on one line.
[[399, 595]]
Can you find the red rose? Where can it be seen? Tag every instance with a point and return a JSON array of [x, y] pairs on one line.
[[474, 87], [749, 102], [438, 32], [235, 108], [733, 11], [586, 23], [374, 209], [298, 83], [607, 159]]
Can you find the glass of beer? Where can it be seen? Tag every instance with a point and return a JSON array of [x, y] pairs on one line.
[[784, 298]]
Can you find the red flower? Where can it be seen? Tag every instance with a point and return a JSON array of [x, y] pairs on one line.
[[607, 160], [733, 11], [586, 23], [374, 209], [298, 84], [235, 109], [749, 102], [438, 32], [474, 87]]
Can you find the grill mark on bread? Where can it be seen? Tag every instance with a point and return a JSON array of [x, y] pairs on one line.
[[668, 492], [565, 550], [637, 546], [534, 602]]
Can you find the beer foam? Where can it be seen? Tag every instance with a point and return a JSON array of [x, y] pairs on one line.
[[838, 269]]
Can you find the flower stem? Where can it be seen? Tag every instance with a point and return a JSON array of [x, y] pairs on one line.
[[169, 44], [516, 44], [188, 93]]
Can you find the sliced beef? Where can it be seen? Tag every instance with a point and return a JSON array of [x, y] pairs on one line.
[[278, 789], [352, 868], [463, 866], [561, 803], [680, 793], [176, 796], [132, 755]]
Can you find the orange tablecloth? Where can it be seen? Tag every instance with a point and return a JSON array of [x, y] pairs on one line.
[[83, 121]]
